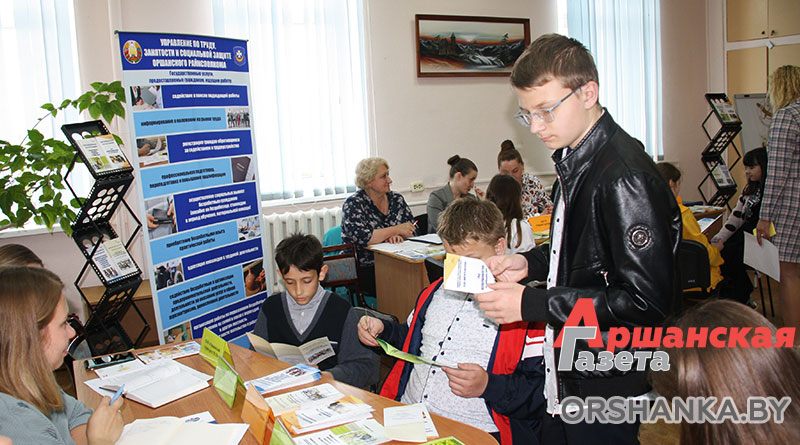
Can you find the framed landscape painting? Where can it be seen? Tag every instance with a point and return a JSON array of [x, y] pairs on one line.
[[460, 46]]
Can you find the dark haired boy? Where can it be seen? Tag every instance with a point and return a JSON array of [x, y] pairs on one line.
[[448, 325], [305, 311], [614, 234]]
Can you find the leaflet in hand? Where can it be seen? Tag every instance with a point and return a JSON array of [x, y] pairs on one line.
[[158, 383], [310, 353], [344, 410], [365, 432], [465, 274], [303, 398], [299, 374], [411, 358]]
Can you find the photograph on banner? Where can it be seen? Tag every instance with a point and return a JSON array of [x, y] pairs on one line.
[[249, 228], [146, 97], [242, 169], [178, 333], [152, 151], [198, 181], [160, 217], [255, 277], [168, 273]]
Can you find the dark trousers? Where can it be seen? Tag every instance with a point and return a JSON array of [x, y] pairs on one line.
[[556, 432], [366, 275]]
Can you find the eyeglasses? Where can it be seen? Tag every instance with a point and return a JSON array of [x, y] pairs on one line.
[[545, 114]]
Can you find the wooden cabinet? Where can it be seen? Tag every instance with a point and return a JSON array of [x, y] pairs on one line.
[[760, 19], [784, 55]]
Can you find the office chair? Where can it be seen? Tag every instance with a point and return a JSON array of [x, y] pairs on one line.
[[695, 271], [342, 265], [422, 224], [435, 269], [79, 347]]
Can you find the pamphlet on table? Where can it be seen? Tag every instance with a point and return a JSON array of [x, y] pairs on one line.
[[344, 410], [303, 398], [297, 375]]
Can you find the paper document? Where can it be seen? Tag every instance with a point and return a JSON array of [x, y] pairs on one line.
[[763, 258], [303, 398], [431, 238], [175, 431], [156, 384], [465, 274], [411, 358], [404, 423], [169, 352], [299, 374], [310, 353], [450, 440], [364, 432], [408, 249]]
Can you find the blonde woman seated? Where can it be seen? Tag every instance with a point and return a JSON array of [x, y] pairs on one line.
[[34, 335], [374, 214], [505, 192]]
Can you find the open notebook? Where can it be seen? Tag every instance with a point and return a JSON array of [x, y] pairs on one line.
[[158, 383]]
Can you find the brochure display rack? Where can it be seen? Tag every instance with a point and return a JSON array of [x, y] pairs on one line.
[[716, 168], [103, 249]]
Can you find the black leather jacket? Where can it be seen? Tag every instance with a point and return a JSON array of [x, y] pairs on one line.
[[622, 227]]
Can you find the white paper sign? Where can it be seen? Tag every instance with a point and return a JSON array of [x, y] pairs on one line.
[[763, 258]]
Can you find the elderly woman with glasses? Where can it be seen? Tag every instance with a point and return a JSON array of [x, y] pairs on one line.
[[535, 200], [374, 214]]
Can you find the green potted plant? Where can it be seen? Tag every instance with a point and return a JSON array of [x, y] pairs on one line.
[[32, 172]]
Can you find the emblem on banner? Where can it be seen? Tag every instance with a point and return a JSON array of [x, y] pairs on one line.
[[238, 55], [132, 51]]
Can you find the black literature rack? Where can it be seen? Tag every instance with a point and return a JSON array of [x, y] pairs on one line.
[[104, 251], [716, 169]]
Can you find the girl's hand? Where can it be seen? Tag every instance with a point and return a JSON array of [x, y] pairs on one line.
[[105, 424]]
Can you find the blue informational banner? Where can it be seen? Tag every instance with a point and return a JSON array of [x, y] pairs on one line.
[[189, 113]]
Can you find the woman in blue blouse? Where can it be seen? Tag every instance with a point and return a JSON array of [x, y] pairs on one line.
[[374, 214]]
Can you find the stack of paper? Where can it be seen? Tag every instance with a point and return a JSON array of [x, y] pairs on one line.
[[154, 385], [365, 432], [409, 423], [299, 374], [175, 431], [344, 410], [303, 399]]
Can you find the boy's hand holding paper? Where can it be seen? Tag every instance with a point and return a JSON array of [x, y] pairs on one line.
[[465, 274], [411, 358]]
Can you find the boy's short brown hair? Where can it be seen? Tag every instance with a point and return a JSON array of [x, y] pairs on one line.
[[471, 219], [553, 56]]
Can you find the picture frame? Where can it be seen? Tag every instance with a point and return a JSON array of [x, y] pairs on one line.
[[469, 46]]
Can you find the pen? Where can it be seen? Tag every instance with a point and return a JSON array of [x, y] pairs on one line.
[[117, 394], [415, 223]]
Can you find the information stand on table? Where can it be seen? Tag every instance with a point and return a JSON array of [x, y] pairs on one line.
[[103, 249], [716, 168]]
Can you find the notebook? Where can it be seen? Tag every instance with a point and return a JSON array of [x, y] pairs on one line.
[[159, 383]]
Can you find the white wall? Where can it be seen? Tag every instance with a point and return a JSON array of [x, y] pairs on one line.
[[417, 123]]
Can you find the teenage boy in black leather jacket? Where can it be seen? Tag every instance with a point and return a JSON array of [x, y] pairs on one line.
[[614, 234]]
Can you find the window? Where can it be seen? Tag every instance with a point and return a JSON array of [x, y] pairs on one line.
[[625, 39], [307, 91], [37, 45]]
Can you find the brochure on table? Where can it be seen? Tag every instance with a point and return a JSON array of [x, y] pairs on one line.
[[189, 111]]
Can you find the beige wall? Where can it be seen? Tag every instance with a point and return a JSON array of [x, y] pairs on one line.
[[416, 124], [684, 78]]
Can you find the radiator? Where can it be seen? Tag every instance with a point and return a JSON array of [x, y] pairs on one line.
[[280, 225]]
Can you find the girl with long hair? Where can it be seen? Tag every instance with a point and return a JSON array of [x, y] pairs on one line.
[[34, 335], [505, 192]]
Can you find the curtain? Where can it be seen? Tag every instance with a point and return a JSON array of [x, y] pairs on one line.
[[39, 54], [307, 91], [624, 36]]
